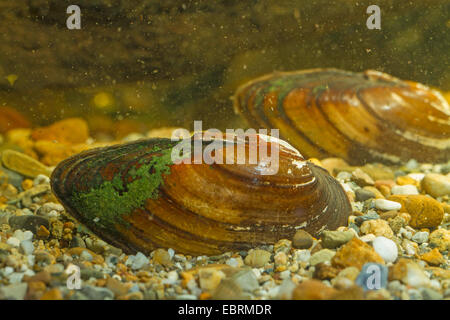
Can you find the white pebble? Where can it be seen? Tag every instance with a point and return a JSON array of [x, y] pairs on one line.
[[27, 247], [386, 248], [406, 189], [13, 241], [41, 179], [387, 205], [420, 237], [368, 237], [285, 274], [302, 255], [417, 176], [232, 262]]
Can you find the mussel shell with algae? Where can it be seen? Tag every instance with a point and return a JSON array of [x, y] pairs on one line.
[[134, 197]]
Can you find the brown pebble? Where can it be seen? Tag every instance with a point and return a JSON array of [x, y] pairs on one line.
[[52, 294], [325, 271], [313, 290], [117, 287], [386, 215], [352, 293], [425, 211], [434, 257], [355, 253], [43, 232], [302, 240], [162, 257]]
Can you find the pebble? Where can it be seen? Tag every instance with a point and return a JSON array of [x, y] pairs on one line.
[[409, 273], [363, 194], [378, 227], [302, 240], [321, 256], [387, 205], [138, 261], [209, 279], [246, 280], [334, 239], [313, 290], [355, 253], [433, 257], [302, 255], [425, 211], [373, 276], [23, 164], [27, 247], [430, 294], [28, 222], [405, 190], [162, 257], [13, 241], [257, 258], [386, 248], [361, 178], [440, 239], [96, 293], [436, 185], [420, 237], [14, 291]]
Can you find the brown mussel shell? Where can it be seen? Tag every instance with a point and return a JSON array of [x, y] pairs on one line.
[[360, 117], [136, 198]]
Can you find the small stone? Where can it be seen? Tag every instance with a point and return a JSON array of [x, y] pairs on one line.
[[420, 237], [371, 215], [138, 261], [387, 205], [28, 222], [430, 294], [302, 240], [324, 271], [23, 164], [377, 227], [313, 290], [13, 241], [52, 294], [246, 280], [96, 259], [373, 276], [355, 253], [280, 258], [117, 287], [14, 291], [97, 293], [386, 248], [228, 289], [283, 245], [27, 247], [321, 256], [436, 185], [375, 191], [397, 223], [406, 189], [334, 239], [409, 273], [363, 194], [43, 232], [132, 296], [302, 255], [257, 258], [425, 211], [162, 257], [209, 279], [440, 239], [361, 178], [434, 257]]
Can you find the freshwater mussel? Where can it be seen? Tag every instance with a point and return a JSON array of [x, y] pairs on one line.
[[360, 117], [137, 197]]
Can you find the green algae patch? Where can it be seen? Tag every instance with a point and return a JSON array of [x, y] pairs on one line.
[[107, 204]]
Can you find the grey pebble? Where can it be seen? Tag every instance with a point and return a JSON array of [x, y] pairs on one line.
[[430, 294], [28, 222], [96, 293], [14, 291], [363, 194], [334, 239]]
